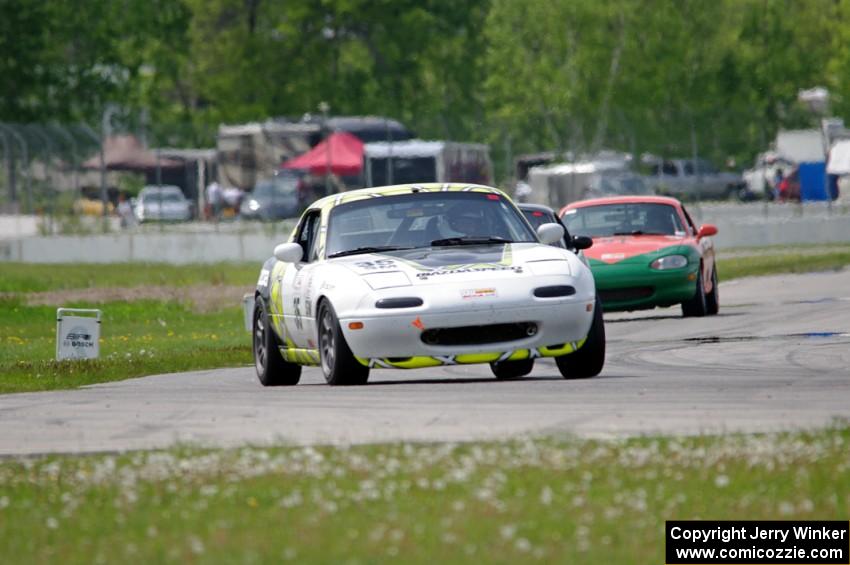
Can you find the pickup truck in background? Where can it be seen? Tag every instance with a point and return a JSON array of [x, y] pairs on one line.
[[692, 179]]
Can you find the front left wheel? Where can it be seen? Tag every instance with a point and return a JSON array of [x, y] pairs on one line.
[[338, 362], [272, 370]]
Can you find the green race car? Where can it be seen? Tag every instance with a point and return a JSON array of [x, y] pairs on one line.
[[647, 252]]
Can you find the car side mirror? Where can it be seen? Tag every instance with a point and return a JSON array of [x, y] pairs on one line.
[[550, 233], [582, 242], [288, 252], [706, 230]]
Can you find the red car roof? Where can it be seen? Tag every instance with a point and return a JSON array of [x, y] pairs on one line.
[[621, 200]]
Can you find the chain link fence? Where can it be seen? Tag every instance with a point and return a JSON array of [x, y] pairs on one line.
[[71, 179]]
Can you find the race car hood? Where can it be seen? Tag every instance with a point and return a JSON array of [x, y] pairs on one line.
[[471, 262], [617, 248]]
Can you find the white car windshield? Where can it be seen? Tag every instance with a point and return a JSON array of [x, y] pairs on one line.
[[169, 197], [623, 219], [424, 219], [278, 187]]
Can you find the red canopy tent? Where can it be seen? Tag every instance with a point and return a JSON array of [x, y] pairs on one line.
[[341, 150]]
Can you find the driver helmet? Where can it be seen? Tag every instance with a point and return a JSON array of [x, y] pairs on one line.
[[658, 220], [465, 221]]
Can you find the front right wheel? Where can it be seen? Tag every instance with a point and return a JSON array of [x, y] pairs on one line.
[[338, 362], [590, 358], [696, 306]]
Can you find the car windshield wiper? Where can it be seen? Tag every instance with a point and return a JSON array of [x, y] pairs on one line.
[[367, 249], [639, 232], [468, 241]]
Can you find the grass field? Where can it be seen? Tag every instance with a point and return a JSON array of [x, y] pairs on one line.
[[139, 337], [24, 277], [543, 500], [770, 261], [168, 318]]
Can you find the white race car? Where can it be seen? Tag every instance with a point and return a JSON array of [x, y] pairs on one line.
[[414, 276]]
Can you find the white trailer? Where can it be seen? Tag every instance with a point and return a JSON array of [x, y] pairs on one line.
[[415, 161]]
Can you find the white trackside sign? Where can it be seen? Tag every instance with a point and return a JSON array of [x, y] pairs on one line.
[[77, 333], [248, 307]]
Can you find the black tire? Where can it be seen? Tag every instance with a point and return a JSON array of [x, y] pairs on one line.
[[588, 361], [512, 369], [712, 299], [697, 306], [271, 368], [338, 363]]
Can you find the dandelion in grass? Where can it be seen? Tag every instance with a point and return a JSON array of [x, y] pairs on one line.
[[546, 496], [196, 546], [377, 534], [522, 545]]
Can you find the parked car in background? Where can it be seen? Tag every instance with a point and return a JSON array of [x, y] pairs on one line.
[[763, 179], [694, 179], [273, 199], [537, 215], [91, 207], [162, 203], [647, 252]]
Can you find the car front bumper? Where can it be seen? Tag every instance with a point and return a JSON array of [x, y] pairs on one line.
[[396, 338], [632, 287]]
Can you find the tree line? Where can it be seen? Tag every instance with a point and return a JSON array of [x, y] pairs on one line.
[[665, 76]]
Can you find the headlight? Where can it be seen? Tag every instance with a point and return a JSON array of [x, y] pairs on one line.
[[669, 262], [253, 205], [550, 267]]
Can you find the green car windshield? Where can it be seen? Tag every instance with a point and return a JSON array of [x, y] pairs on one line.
[[424, 219], [624, 219]]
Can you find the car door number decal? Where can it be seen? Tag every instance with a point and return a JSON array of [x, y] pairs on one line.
[[296, 303]]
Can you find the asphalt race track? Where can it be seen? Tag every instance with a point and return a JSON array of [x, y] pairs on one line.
[[777, 357]]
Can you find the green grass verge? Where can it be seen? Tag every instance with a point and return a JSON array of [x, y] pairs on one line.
[[544, 500], [770, 261], [25, 277], [139, 338]]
